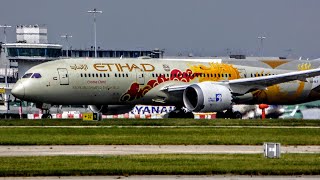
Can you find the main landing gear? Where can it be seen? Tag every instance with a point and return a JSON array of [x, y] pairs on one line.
[[180, 113], [229, 114], [184, 113]]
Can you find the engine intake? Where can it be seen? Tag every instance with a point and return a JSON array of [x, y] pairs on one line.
[[207, 97]]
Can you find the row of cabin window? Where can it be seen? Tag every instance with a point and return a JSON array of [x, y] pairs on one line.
[[155, 75], [193, 75], [172, 75], [103, 75], [258, 75]]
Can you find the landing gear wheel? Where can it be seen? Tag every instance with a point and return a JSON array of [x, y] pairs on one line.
[[46, 116], [220, 115], [228, 114], [189, 115], [180, 114], [237, 115]]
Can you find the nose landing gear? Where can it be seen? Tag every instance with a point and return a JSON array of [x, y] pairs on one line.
[[46, 109], [46, 115]]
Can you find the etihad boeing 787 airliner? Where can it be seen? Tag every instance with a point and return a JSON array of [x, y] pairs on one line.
[[197, 85]]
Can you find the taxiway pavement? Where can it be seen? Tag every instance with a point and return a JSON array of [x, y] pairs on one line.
[[92, 150]]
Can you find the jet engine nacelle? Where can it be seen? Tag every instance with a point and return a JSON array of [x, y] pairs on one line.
[[207, 97], [111, 109]]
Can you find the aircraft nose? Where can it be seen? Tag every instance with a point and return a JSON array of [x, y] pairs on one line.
[[18, 90]]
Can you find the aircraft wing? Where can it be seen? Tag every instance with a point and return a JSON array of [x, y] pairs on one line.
[[245, 85]]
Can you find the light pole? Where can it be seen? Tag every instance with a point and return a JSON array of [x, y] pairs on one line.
[[94, 12], [66, 36], [261, 44], [5, 50], [6, 96]]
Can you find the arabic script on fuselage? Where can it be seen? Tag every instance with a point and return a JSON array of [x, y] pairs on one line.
[[79, 66]]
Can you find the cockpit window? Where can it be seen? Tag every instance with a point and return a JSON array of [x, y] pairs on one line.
[[36, 75], [28, 75]]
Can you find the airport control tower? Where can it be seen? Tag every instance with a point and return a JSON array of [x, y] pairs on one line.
[[31, 48], [34, 34]]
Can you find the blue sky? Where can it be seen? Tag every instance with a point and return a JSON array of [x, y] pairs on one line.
[[201, 27]]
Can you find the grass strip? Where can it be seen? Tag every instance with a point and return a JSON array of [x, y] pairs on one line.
[[176, 164], [158, 136], [159, 122]]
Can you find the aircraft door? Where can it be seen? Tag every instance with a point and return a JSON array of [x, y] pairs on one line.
[[140, 77], [63, 76], [243, 73]]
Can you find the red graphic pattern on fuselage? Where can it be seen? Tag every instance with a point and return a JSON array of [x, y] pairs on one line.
[[136, 92]]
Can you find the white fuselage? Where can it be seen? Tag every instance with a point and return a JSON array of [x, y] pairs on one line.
[[141, 81]]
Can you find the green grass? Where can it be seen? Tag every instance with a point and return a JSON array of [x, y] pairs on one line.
[[168, 164], [159, 122], [158, 136]]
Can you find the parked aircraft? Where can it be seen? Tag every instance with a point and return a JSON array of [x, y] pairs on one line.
[[114, 86]]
